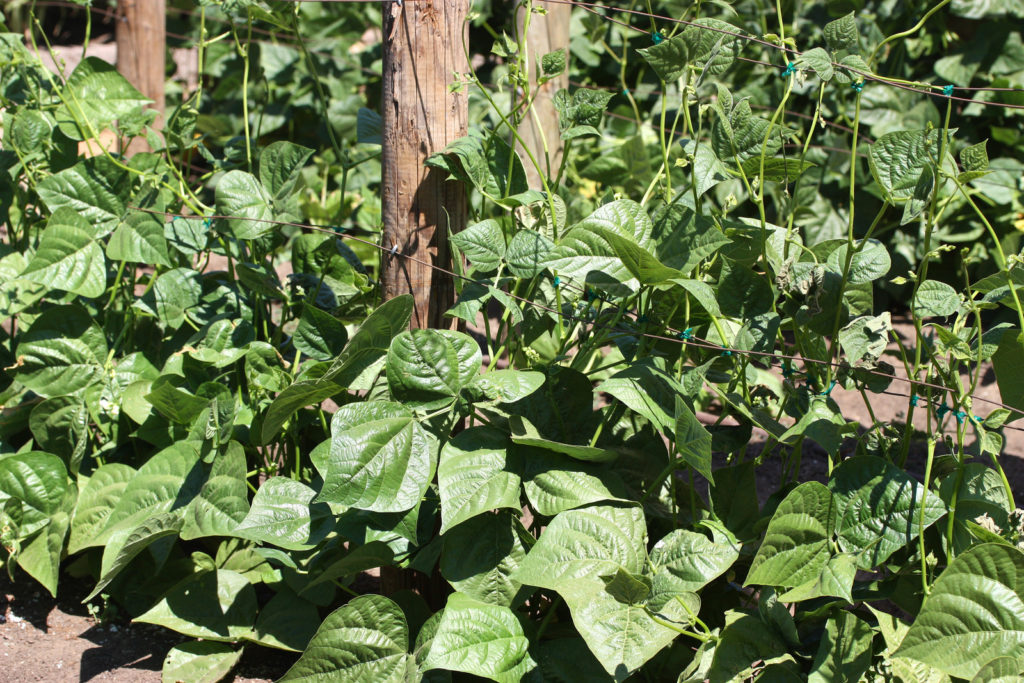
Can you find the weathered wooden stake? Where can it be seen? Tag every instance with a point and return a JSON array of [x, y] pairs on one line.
[[141, 48], [547, 33], [423, 53]]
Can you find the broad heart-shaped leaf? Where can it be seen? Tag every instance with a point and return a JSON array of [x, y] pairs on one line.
[[283, 514], [834, 580], [745, 641], [1008, 362], [280, 167], [483, 243], [641, 263], [473, 478], [647, 389], [844, 653], [223, 501], [509, 385], [427, 368], [485, 161], [974, 613], [710, 45], [898, 159], [68, 258], [319, 335], [796, 544], [878, 508], [358, 559], [936, 299], [124, 547], [528, 253], [95, 188], [367, 345], [96, 95], [842, 34], [287, 622], [555, 483], [525, 434], [168, 480], [239, 194], [40, 557], [580, 546], [62, 353], [97, 500], [200, 661], [364, 640], [381, 459], [480, 555], [692, 558], [216, 605], [870, 262], [481, 639], [585, 255], [999, 670], [140, 239], [818, 60]]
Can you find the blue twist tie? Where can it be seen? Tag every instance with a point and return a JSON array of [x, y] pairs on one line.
[[625, 91], [977, 419], [857, 86], [727, 353], [686, 334], [590, 295], [914, 399], [174, 218], [787, 370], [960, 416], [558, 281], [207, 222], [657, 37], [830, 388], [941, 411], [947, 90], [789, 70]]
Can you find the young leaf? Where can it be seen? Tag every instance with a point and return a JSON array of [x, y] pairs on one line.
[[796, 544], [842, 34]]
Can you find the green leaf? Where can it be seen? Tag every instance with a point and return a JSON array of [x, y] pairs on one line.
[[68, 258], [864, 339], [646, 389], [368, 556], [778, 169], [642, 264], [999, 670], [692, 558], [742, 293], [96, 189], [507, 386], [60, 426], [744, 642], [692, 440], [525, 434], [485, 161], [552, 64], [480, 556], [481, 639], [975, 158], [173, 403], [426, 369], [199, 662], [223, 501], [974, 614], [287, 622], [140, 239], [528, 253], [878, 508], [364, 640], [817, 59], [870, 262], [842, 34], [834, 580], [369, 127], [483, 243], [381, 458], [555, 483], [63, 352], [708, 44], [281, 165], [283, 514], [175, 292], [122, 549], [239, 194], [935, 299], [97, 500], [844, 653], [319, 335], [898, 161], [579, 546], [95, 97], [1008, 362], [473, 477], [796, 544], [295, 396], [217, 605]]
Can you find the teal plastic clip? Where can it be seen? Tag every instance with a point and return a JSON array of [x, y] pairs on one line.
[[726, 353], [789, 70], [947, 90], [657, 37], [558, 281], [857, 86], [914, 398], [830, 388], [941, 411], [686, 334]]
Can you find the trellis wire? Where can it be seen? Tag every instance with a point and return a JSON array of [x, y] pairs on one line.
[[679, 337]]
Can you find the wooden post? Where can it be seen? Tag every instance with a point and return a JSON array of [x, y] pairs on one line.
[[547, 33], [423, 53], [141, 46]]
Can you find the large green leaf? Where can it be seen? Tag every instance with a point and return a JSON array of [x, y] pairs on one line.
[[319, 335], [95, 97], [62, 353], [281, 165], [216, 605], [427, 368], [381, 458], [199, 662], [287, 622], [584, 253], [878, 508], [223, 501], [97, 500], [796, 544], [365, 640], [40, 557], [555, 483], [139, 239], [508, 385], [692, 558], [1008, 362], [283, 514], [844, 653], [580, 546], [692, 440], [481, 639], [124, 547], [68, 257], [239, 194], [480, 555], [473, 478], [483, 244], [744, 642], [898, 161], [975, 613], [525, 434], [97, 189]]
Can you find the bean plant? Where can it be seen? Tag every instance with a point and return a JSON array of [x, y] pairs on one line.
[[211, 417]]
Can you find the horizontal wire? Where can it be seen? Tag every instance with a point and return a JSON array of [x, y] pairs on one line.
[[677, 339]]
